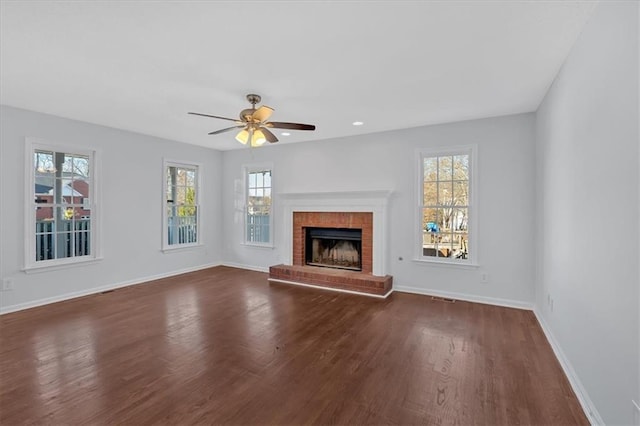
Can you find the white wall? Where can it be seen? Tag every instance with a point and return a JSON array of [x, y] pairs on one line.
[[131, 181], [386, 161], [587, 181]]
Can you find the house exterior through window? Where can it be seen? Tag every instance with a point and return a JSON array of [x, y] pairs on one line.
[[62, 213]]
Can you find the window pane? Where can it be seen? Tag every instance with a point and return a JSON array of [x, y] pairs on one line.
[[430, 194], [459, 220], [445, 193], [430, 169], [461, 193], [461, 167], [80, 167], [445, 245], [430, 220], [267, 179], [181, 195], [81, 243], [252, 180], [44, 183], [445, 216], [45, 247], [64, 244], [460, 245], [445, 168], [43, 162], [67, 164], [191, 178], [259, 179]]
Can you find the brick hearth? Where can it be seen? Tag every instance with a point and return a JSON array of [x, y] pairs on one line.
[[332, 278], [361, 281]]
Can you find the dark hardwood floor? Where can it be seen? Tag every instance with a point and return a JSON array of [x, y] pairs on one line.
[[222, 346]]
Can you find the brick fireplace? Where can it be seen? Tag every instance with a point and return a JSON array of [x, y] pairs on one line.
[[333, 220], [339, 277]]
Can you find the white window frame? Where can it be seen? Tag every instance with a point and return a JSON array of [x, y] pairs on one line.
[[421, 154], [30, 263], [252, 168], [166, 247]]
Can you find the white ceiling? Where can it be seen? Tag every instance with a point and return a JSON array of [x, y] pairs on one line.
[[141, 65]]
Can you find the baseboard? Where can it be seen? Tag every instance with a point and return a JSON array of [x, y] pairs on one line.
[[338, 290], [466, 297], [581, 393], [248, 267], [94, 290]]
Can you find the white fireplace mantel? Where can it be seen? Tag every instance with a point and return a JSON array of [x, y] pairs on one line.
[[376, 202]]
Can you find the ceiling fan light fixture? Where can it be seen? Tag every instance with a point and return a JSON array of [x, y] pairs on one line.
[[243, 136], [258, 138]]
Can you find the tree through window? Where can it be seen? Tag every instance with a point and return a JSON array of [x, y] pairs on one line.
[[445, 205]]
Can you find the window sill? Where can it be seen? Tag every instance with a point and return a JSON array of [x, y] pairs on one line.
[[446, 263], [258, 245], [33, 269], [181, 247]]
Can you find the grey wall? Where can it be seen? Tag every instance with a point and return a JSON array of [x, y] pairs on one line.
[[387, 161], [587, 210], [131, 181]]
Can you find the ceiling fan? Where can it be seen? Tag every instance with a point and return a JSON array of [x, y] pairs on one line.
[[254, 124]]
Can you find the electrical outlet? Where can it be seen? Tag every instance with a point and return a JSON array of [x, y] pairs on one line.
[[7, 284], [484, 277]]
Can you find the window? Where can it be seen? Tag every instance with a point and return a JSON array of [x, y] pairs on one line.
[[181, 193], [445, 206], [258, 217], [62, 212]]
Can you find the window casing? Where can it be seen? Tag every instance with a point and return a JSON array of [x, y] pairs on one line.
[[446, 206], [181, 209], [258, 206], [62, 212]]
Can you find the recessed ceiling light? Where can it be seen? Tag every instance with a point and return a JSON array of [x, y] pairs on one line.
[[357, 123], [285, 133]]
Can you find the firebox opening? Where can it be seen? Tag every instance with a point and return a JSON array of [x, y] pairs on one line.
[[339, 248]]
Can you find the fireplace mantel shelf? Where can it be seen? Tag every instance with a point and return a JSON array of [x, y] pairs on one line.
[[374, 194]]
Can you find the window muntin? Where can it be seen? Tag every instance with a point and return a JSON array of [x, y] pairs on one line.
[[445, 206], [61, 226], [182, 205], [258, 206]]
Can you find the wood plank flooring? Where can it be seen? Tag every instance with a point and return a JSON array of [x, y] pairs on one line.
[[222, 346]]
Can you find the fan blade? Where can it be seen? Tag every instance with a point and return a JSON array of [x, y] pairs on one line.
[[268, 135], [292, 126], [215, 116], [217, 132], [262, 114]]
